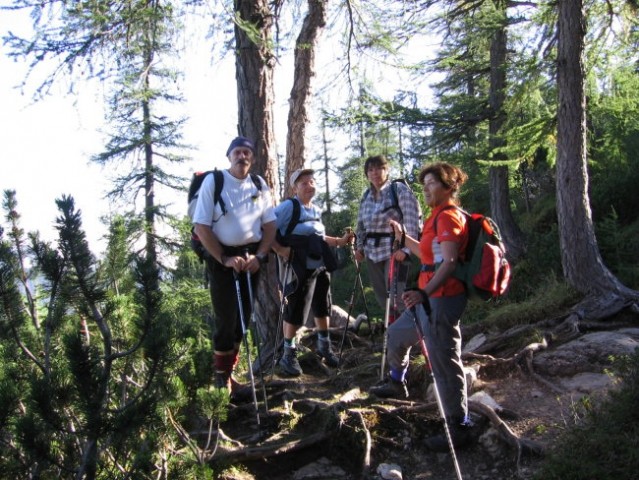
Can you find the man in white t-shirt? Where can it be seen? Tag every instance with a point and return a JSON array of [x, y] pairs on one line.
[[237, 233]]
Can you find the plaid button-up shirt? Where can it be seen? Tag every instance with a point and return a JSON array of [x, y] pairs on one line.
[[374, 214]]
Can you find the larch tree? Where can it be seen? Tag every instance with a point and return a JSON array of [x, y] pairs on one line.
[[143, 135], [581, 260], [499, 175], [255, 63], [254, 68], [126, 45], [471, 123], [301, 92]]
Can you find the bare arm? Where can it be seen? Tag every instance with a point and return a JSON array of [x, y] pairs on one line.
[[213, 246], [237, 263], [342, 241], [210, 241], [409, 242]]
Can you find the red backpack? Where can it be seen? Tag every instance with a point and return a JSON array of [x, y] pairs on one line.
[[485, 271]]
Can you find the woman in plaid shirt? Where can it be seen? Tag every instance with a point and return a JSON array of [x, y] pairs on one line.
[[374, 235]]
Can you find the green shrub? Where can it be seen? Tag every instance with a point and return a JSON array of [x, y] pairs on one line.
[[604, 442]]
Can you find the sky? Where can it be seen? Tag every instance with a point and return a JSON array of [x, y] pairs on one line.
[[46, 146]]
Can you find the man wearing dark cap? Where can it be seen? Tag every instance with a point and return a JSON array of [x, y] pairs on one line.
[[304, 242], [237, 233]]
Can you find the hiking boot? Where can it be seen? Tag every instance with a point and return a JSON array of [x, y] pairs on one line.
[[390, 388], [461, 435], [325, 350], [289, 362]]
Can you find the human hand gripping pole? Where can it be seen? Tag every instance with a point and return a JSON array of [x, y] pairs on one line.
[[256, 337], [425, 306], [236, 277]]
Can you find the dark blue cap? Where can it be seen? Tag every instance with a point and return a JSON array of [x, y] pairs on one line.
[[240, 142]]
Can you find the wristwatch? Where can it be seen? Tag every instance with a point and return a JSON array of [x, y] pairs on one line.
[[262, 257]]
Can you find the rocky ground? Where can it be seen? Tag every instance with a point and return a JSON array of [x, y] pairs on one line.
[[325, 425]]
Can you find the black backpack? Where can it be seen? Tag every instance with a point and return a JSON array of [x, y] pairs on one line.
[[394, 197], [330, 260], [194, 192], [295, 219]]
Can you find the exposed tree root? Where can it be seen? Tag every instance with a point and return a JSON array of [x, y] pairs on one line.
[[310, 411], [366, 460], [270, 449], [521, 445]]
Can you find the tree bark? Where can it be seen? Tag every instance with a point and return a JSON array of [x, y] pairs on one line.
[[499, 175], [581, 261], [254, 68], [254, 75], [305, 50]]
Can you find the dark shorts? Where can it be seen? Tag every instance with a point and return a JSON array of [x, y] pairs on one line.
[[313, 294], [223, 287]]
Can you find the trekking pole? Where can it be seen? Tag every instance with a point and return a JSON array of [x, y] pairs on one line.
[[280, 319], [256, 337], [245, 341], [422, 343], [391, 272], [358, 270], [348, 316]]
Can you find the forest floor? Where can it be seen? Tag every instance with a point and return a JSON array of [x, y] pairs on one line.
[[325, 425]]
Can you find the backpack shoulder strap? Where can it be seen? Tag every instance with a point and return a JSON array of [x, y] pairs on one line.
[[395, 196], [447, 207], [295, 217], [257, 181], [365, 194], [218, 176]]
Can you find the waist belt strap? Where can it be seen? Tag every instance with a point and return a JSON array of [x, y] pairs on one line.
[[377, 236], [240, 250]]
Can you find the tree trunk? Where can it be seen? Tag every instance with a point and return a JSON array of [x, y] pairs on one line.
[[254, 75], [327, 170], [305, 49], [499, 175], [581, 261], [254, 65]]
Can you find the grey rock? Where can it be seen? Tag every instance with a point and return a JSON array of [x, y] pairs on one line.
[[322, 469], [589, 353], [389, 471]]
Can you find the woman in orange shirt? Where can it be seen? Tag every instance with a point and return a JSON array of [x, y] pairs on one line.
[[440, 248]]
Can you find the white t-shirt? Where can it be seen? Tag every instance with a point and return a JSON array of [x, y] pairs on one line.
[[247, 209]]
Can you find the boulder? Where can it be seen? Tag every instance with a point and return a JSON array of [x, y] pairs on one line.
[[588, 353]]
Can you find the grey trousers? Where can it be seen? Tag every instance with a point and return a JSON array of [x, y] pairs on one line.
[[378, 275], [442, 335]]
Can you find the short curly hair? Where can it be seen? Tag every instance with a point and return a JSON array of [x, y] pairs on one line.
[[449, 175]]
